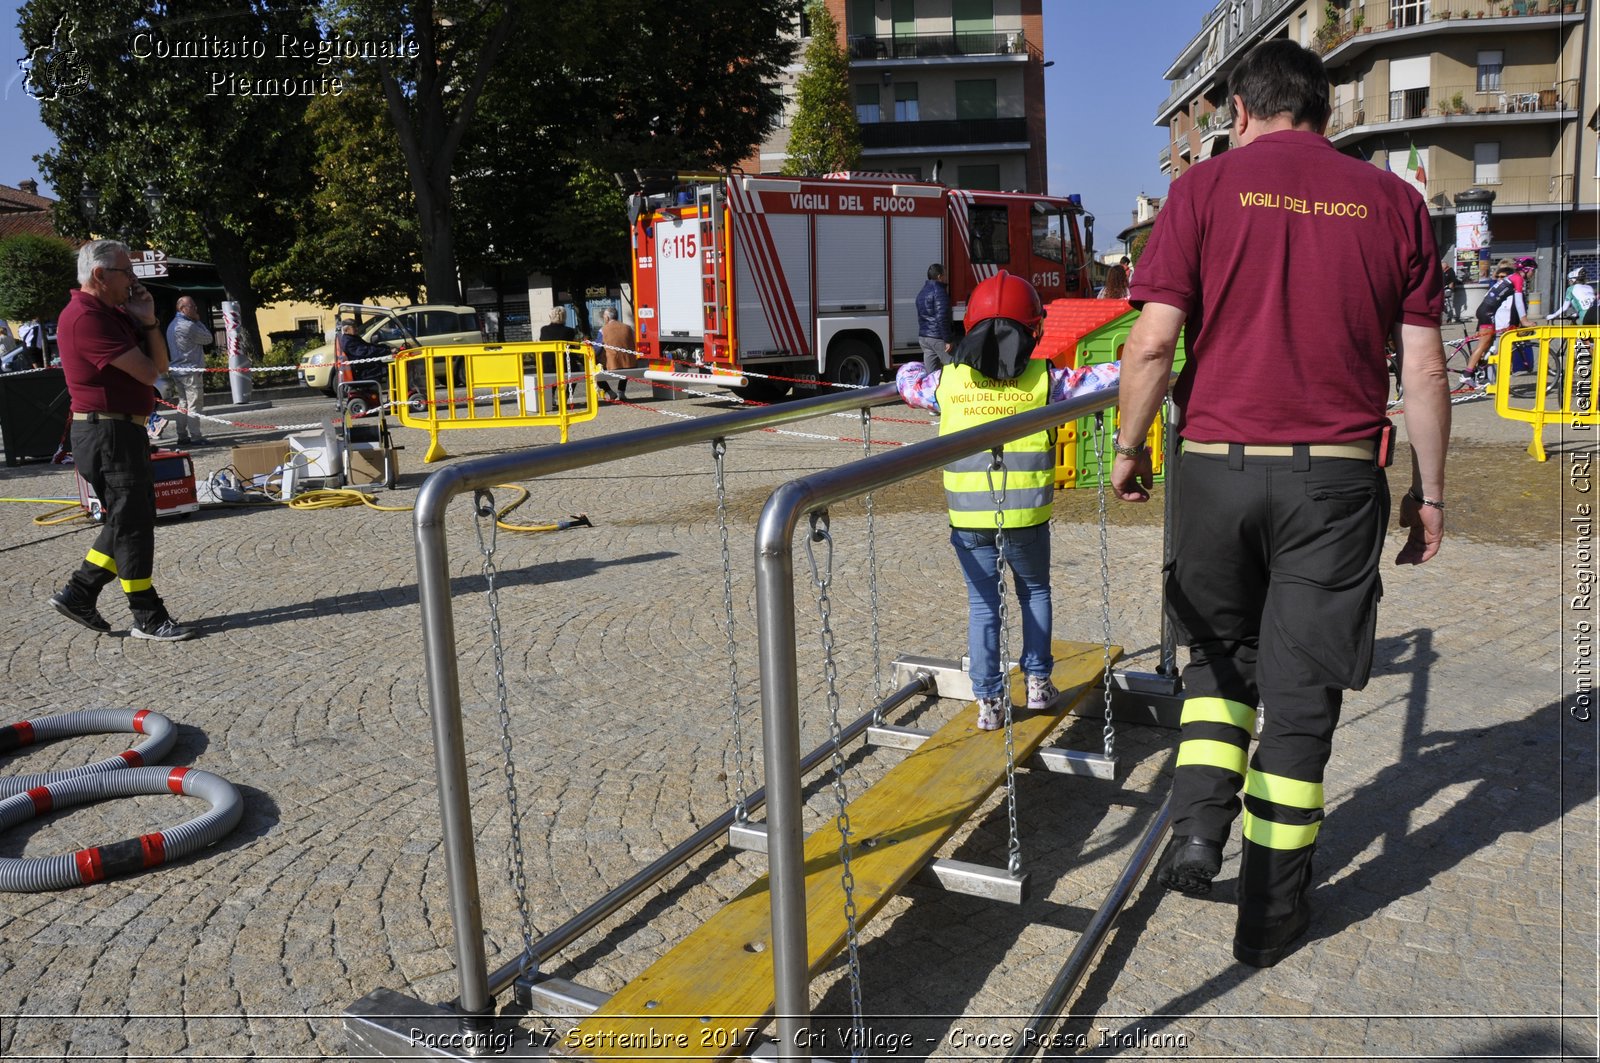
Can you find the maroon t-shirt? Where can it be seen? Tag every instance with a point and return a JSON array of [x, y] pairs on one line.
[[1293, 262], [92, 334]]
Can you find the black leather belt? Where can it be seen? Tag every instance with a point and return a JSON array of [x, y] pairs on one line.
[[105, 415]]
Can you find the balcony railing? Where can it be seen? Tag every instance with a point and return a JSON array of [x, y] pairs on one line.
[[931, 134], [937, 45], [1377, 15], [1542, 191], [1449, 101]]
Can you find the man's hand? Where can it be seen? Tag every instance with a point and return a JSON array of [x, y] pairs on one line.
[[1427, 531], [141, 304], [1131, 477]]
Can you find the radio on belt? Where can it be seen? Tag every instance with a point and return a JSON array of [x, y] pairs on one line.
[[175, 493]]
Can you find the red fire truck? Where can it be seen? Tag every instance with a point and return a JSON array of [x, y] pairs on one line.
[[796, 279]]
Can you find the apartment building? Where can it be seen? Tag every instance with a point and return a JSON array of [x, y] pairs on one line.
[[953, 88], [1486, 95]]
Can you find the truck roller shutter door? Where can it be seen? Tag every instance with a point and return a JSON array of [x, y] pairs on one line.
[[918, 243]]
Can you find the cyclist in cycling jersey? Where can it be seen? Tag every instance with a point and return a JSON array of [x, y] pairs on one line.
[[1580, 304], [1502, 307]]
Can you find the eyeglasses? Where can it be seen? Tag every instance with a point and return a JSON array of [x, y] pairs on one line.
[[121, 269]]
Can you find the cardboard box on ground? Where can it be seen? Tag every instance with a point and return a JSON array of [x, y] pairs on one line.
[[259, 459]]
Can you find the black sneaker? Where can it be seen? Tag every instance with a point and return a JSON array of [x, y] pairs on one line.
[[74, 608], [167, 631]]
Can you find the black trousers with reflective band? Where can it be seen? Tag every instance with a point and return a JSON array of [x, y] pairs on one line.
[[114, 458], [1274, 586]]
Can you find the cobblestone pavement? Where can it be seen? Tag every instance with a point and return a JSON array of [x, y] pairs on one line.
[[1455, 910]]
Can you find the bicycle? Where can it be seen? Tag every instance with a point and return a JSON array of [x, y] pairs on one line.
[[1457, 353]]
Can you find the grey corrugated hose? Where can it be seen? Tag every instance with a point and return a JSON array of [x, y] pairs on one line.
[[28, 875], [160, 734]]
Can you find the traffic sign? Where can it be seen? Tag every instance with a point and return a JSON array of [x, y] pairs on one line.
[[149, 256], [149, 269]]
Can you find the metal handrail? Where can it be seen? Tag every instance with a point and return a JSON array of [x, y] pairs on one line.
[[439, 640], [780, 699]]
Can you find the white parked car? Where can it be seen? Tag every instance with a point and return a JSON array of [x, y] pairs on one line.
[[427, 325]]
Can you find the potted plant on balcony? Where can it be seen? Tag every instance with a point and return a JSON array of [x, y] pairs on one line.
[[1458, 103], [1442, 106]]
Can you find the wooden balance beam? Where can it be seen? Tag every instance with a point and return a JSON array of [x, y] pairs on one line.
[[705, 996]]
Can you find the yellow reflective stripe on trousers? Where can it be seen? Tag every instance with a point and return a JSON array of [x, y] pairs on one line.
[[1281, 790], [133, 586], [1272, 835], [1208, 753], [100, 560], [1219, 710]]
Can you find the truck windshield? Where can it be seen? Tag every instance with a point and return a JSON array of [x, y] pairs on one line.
[[1049, 226]]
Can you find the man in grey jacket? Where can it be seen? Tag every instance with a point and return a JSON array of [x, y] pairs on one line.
[[187, 340]]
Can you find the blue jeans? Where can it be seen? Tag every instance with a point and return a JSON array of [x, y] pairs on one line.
[[1028, 559]]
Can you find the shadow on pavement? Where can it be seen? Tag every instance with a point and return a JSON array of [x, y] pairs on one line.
[[405, 595]]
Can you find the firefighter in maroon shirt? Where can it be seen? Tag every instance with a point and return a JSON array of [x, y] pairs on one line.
[[112, 351], [1282, 501]]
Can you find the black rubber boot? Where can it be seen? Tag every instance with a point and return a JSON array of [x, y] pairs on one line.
[[1190, 865]]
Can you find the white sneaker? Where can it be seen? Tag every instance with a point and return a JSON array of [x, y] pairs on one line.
[[991, 714], [1041, 692]]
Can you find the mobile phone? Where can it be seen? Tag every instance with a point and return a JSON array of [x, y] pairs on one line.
[[1385, 456]]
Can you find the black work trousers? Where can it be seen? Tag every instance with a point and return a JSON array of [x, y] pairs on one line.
[[113, 456], [1274, 586]]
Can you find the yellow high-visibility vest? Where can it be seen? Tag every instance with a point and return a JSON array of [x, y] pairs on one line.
[[967, 398]]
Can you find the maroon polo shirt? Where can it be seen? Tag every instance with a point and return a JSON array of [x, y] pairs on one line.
[[92, 334], [1293, 262]]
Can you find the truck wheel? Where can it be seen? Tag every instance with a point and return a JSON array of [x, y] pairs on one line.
[[763, 390], [850, 363], [356, 405]]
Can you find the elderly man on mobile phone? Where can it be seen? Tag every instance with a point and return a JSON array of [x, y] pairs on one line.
[[112, 351]]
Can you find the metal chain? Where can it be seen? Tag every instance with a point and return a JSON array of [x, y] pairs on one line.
[[1108, 732], [822, 577], [484, 509], [872, 578], [997, 464], [741, 813]]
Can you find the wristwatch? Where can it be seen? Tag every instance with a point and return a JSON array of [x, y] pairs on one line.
[[1129, 452]]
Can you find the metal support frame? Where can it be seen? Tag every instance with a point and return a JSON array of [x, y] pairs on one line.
[[1148, 698], [780, 708], [957, 876], [1047, 758]]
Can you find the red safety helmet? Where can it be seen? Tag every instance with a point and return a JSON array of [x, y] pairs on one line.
[[1004, 295]]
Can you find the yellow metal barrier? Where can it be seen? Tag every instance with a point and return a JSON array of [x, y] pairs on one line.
[[1563, 384], [492, 385]]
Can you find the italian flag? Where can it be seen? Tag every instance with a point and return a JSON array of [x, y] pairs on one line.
[[1414, 168]]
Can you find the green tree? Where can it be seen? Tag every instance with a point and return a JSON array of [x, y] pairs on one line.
[[432, 99], [824, 135], [357, 232], [1137, 245], [36, 275], [229, 161], [604, 88]]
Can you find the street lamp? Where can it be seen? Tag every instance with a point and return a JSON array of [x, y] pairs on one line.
[[89, 201], [152, 202]]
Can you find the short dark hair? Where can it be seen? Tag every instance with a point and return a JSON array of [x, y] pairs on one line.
[[1280, 77], [935, 271]]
